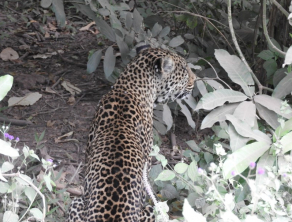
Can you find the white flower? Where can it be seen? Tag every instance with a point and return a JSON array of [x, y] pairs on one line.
[[219, 150]]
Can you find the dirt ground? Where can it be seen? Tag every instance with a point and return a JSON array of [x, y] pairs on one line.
[[25, 30]]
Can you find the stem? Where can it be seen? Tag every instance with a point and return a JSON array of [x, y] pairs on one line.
[[34, 187], [261, 87], [266, 30], [280, 8]]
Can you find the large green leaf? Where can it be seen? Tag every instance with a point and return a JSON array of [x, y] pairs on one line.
[[176, 41], [270, 66], [187, 113], [58, 8], [218, 114], [236, 70], [109, 62], [219, 97], [167, 117], [105, 29], [10, 216], [281, 131], [266, 54], [273, 104], [166, 175], [286, 142], [7, 150], [239, 160], [245, 130], [284, 87], [189, 99], [236, 140], [137, 21], [94, 61], [246, 111], [5, 85], [268, 115]]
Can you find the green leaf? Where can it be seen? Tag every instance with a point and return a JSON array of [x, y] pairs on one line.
[[164, 32], [129, 20], [246, 111], [124, 50], [4, 187], [283, 131], [187, 113], [36, 213], [30, 193], [266, 160], [137, 20], [277, 46], [284, 87], [105, 29], [9, 216], [218, 115], [219, 97], [278, 76], [7, 150], [268, 115], [167, 117], [239, 160], [288, 57], [190, 214], [201, 87], [190, 100], [266, 54], [236, 140], [181, 167], [245, 130], [155, 171], [193, 145], [47, 179], [58, 8], [193, 171], [46, 3], [156, 29], [22, 182], [6, 166], [169, 192], [165, 175], [270, 66], [176, 41], [236, 70], [109, 62], [286, 142], [272, 103], [5, 85], [94, 61]]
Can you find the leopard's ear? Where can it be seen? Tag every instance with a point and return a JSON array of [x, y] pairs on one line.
[[164, 66], [142, 47]]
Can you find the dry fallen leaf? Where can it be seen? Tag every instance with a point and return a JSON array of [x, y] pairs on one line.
[[47, 55], [87, 27], [50, 123], [50, 90], [9, 54], [27, 100], [71, 100], [71, 88]]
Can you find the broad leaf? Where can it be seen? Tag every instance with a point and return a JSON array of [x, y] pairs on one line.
[[192, 144], [156, 29], [166, 175], [268, 115], [236, 140], [169, 192], [236, 70], [176, 41], [284, 87], [190, 214], [239, 160], [245, 130], [283, 131], [129, 20], [10, 216], [105, 29], [279, 75], [193, 171], [58, 8], [167, 117], [30, 193], [5, 85], [164, 32], [124, 49], [214, 84], [270, 66], [36, 213], [246, 111], [201, 87], [187, 113], [46, 3], [6, 166], [266, 54], [273, 104], [7, 150], [28, 99], [159, 127], [288, 57], [181, 167], [189, 99], [219, 97], [109, 62], [218, 114], [286, 142], [94, 61], [137, 21]]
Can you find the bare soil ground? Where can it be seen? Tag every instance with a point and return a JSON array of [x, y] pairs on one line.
[[31, 31]]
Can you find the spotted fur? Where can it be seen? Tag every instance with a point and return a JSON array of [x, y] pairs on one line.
[[120, 138]]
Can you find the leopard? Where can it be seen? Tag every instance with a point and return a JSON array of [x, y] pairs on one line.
[[121, 137]]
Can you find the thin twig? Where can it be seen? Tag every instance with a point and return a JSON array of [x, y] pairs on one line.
[[15, 121], [266, 30], [261, 87]]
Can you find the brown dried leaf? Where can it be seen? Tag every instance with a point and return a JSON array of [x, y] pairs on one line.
[[9, 54]]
